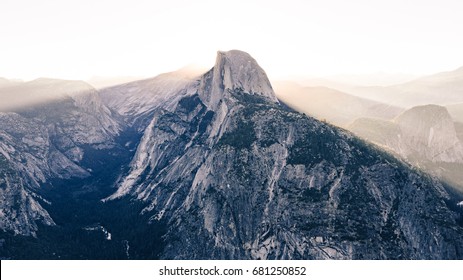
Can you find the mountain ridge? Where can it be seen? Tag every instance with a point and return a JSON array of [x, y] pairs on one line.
[[237, 173]]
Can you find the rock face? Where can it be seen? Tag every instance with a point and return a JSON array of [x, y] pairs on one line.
[[426, 136], [429, 132], [135, 99], [236, 175], [20, 207], [235, 70], [47, 141]]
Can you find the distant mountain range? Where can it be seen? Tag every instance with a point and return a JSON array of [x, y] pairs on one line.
[[334, 106], [380, 115], [444, 88]]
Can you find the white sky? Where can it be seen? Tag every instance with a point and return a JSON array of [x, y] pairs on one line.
[[80, 39]]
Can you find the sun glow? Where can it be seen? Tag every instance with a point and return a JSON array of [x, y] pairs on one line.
[[80, 39]]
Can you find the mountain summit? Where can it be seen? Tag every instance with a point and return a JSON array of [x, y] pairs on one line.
[[235, 70], [429, 131]]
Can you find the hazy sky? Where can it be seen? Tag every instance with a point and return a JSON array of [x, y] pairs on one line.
[[80, 39]]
